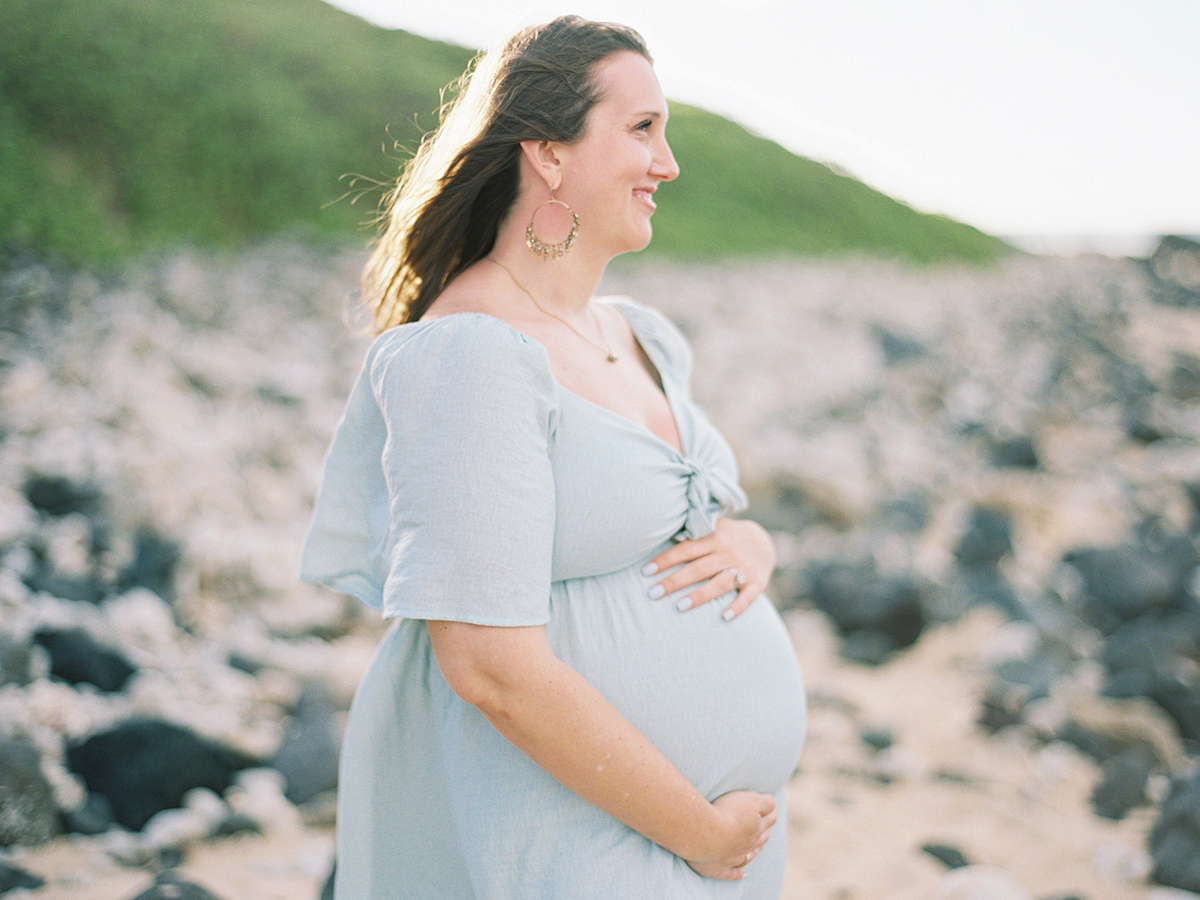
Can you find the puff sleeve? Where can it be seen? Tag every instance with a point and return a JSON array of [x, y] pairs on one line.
[[437, 499]]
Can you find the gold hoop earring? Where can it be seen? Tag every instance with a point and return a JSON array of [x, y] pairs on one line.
[[551, 251]]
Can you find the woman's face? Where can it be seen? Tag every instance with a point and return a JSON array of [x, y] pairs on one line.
[[610, 174]]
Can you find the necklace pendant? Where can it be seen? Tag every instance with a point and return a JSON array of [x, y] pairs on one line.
[[611, 358]]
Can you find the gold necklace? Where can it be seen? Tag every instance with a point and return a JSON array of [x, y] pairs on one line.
[[606, 350]]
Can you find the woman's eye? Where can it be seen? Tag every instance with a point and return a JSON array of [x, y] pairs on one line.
[[645, 126]]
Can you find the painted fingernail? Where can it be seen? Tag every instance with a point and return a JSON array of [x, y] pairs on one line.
[[684, 605], [649, 569], [656, 592], [728, 615]]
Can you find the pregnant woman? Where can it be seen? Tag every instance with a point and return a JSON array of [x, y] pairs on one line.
[[584, 693]]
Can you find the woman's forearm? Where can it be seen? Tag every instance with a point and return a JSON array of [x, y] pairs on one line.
[[552, 714]]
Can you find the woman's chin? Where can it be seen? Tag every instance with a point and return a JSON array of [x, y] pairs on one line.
[[642, 241], [634, 239]]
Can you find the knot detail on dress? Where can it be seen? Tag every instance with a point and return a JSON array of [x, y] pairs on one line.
[[699, 520], [710, 494]]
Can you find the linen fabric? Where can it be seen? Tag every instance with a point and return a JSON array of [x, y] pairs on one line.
[[464, 483]]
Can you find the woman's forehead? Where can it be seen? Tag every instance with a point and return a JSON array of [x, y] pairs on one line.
[[628, 85]]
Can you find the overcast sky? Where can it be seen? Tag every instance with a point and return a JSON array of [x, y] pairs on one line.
[[1022, 117]]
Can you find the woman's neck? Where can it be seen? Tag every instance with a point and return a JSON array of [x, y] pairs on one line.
[[563, 285]]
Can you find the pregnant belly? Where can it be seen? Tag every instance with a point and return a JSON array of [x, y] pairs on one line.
[[722, 700]]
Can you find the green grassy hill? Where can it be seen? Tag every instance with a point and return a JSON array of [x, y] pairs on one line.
[[131, 124]]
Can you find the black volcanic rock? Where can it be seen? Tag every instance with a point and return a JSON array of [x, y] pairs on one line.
[[1122, 786], [55, 495], [950, 857], [155, 560], [1019, 452], [308, 755], [1175, 267], [987, 539], [94, 817], [1125, 582], [80, 589], [170, 885], [1175, 838], [12, 877], [1015, 683], [15, 661], [1148, 658], [143, 766], [30, 815], [876, 614], [77, 659], [898, 348]]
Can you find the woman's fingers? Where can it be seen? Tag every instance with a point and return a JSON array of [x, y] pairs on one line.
[[710, 582], [743, 600], [730, 870], [752, 816], [694, 573], [709, 870], [720, 584], [769, 820], [682, 552], [737, 556]]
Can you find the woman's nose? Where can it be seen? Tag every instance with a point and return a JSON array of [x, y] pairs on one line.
[[665, 166]]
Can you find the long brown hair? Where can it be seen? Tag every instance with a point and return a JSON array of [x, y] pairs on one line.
[[448, 204]]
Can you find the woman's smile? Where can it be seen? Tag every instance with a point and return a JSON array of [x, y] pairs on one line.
[[646, 195]]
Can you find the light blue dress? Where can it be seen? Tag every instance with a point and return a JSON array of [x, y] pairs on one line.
[[463, 483]]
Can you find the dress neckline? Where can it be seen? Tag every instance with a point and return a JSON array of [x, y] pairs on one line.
[[649, 350]]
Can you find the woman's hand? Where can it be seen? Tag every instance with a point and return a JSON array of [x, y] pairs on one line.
[[712, 564], [746, 819]]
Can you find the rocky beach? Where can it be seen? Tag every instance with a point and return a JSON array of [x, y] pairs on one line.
[[984, 484]]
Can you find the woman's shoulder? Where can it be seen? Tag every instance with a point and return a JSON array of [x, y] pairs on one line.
[[465, 351], [461, 338]]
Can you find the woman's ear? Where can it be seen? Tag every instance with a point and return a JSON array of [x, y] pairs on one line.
[[545, 160]]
